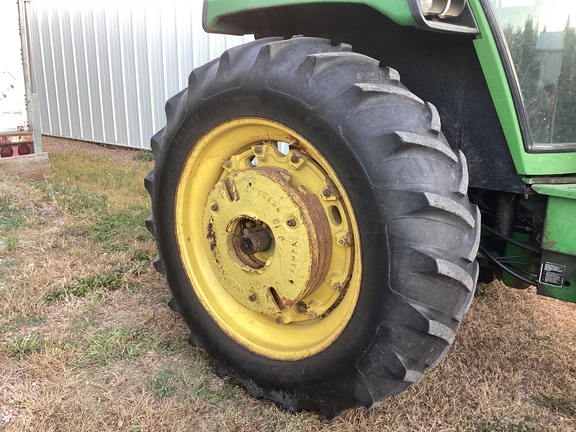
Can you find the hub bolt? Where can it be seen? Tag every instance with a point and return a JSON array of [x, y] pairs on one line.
[[214, 207], [291, 222], [252, 297]]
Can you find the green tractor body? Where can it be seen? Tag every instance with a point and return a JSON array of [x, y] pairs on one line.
[[325, 198]]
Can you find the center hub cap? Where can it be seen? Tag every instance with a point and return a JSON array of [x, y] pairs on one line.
[[266, 237]]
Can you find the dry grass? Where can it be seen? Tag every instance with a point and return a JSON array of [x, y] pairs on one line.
[[87, 343]]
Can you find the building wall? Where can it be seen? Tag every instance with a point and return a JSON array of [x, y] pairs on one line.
[[104, 69]]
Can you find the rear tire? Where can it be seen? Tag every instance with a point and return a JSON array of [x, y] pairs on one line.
[[400, 191]]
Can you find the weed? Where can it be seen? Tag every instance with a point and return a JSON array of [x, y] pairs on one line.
[[12, 242], [144, 155], [109, 280], [558, 405], [118, 231], [20, 322], [141, 256], [161, 384], [12, 216], [55, 295], [498, 425], [117, 344], [482, 291], [168, 346], [73, 200], [25, 345]]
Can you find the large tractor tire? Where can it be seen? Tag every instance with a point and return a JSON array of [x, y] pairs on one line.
[[312, 223]]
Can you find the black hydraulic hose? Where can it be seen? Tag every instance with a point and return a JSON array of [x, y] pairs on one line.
[[511, 240], [503, 267]]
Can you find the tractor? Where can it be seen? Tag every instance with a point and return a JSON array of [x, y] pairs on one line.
[[326, 197]]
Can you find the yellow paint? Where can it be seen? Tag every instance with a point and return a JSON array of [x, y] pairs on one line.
[[308, 261]]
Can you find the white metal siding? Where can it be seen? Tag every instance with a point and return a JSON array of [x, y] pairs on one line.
[[105, 68]]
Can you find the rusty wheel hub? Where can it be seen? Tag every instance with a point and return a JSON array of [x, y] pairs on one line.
[[271, 241]]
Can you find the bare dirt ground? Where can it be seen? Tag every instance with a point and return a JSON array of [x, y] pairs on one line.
[[87, 342]]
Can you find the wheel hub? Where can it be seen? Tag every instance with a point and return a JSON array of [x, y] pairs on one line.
[[271, 242]]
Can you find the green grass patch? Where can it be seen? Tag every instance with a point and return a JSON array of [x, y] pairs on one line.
[[109, 280], [12, 242], [117, 232], [161, 385], [75, 200], [498, 425], [118, 181], [117, 344], [558, 404], [144, 155], [12, 215], [22, 346], [19, 322]]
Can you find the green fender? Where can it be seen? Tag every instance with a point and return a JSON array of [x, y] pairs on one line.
[[397, 10]]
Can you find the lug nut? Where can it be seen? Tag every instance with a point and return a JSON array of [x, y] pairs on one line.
[[326, 193], [291, 222], [252, 297], [228, 164], [312, 315], [279, 320], [258, 149], [294, 158], [214, 207]]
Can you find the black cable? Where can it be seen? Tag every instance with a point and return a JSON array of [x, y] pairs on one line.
[[503, 267], [511, 240]]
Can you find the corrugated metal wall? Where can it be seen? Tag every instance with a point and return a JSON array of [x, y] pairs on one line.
[[104, 69]]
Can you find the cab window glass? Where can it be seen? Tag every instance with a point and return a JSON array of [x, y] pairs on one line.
[[542, 41]]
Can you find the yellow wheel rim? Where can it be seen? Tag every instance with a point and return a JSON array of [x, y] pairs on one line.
[[268, 238]]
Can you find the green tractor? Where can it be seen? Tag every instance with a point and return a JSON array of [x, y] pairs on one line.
[[320, 230]]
